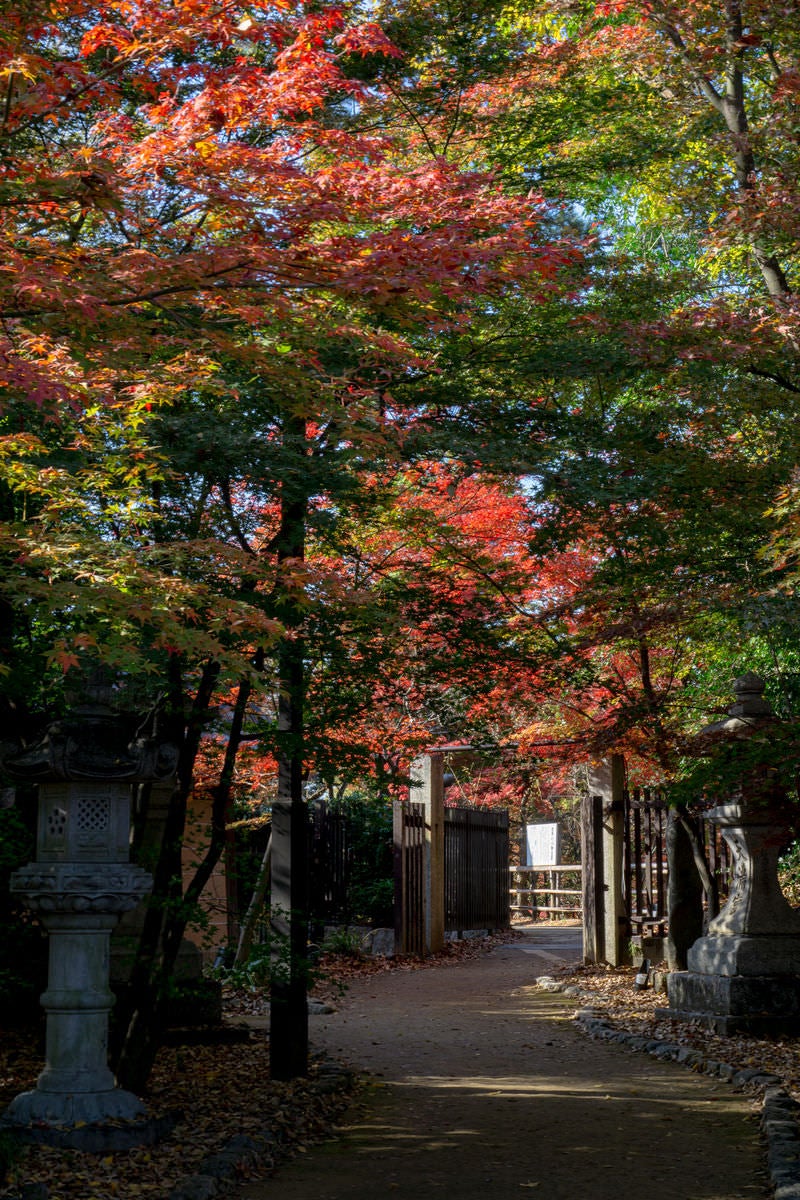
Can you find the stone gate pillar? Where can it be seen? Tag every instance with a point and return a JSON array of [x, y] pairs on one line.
[[609, 938], [427, 787]]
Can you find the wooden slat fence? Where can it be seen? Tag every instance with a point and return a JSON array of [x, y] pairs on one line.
[[330, 858], [644, 881], [719, 859], [645, 871], [476, 850], [592, 882], [409, 877]]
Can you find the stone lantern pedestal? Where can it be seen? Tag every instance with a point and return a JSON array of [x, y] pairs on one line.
[[744, 975], [78, 886]]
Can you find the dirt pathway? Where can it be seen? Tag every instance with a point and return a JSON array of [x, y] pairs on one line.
[[481, 1086]]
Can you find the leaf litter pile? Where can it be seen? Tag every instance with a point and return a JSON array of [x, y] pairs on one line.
[[221, 1089], [225, 1089], [612, 993]]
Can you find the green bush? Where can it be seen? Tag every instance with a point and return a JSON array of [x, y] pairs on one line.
[[343, 941], [789, 874], [268, 962]]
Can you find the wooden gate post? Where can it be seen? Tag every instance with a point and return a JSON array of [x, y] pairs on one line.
[[592, 907], [427, 787], [607, 779]]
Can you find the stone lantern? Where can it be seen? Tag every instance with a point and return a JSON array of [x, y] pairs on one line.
[[78, 886], [744, 974]]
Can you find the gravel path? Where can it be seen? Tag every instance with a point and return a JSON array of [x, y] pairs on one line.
[[480, 1085]]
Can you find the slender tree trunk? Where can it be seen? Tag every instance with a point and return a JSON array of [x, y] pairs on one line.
[[142, 1010], [248, 929], [289, 896]]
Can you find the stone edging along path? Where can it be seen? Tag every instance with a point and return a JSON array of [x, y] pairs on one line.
[[780, 1114]]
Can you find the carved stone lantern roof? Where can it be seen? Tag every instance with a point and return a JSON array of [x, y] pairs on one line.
[[749, 713], [94, 742]]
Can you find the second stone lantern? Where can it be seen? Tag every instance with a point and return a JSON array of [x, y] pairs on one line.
[[744, 974]]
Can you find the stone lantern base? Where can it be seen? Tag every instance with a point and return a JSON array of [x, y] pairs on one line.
[[78, 904], [759, 1005], [106, 1137], [70, 1111], [744, 975]]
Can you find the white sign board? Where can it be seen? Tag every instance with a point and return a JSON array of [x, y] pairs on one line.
[[543, 845]]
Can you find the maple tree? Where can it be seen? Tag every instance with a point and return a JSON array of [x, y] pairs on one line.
[[444, 569], [314, 413], [654, 413], [212, 270]]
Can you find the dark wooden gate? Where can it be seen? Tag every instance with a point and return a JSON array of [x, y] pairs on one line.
[[720, 862], [409, 877], [330, 855], [644, 879], [476, 855], [645, 870], [475, 878], [592, 880]]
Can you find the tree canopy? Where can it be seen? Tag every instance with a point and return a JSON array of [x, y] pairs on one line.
[[429, 364]]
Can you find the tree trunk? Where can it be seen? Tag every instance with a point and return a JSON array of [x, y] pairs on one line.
[[289, 896], [247, 932], [684, 893], [141, 1011], [730, 101]]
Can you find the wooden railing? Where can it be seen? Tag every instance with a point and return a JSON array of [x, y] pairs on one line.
[[539, 889]]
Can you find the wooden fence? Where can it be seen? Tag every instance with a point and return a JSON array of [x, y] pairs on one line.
[[644, 879], [625, 870], [329, 858], [475, 869], [473, 882], [646, 871]]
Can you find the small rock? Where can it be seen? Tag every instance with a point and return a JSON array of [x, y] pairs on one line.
[[195, 1187], [668, 1051], [220, 1166], [34, 1191], [746, 1074]]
